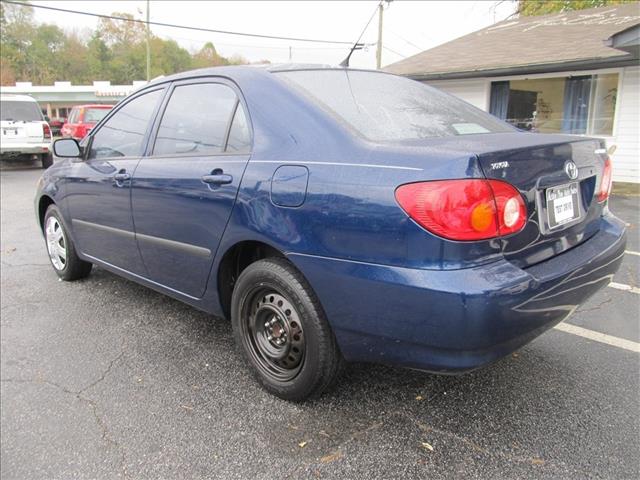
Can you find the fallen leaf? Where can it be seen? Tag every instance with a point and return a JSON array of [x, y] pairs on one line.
[[419, 397], [332, 457], [427, 446], [515, 354], [12, 249], [302, 444], [537, 461]]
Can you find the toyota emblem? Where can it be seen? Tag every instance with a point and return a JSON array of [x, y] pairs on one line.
[[571, 170]]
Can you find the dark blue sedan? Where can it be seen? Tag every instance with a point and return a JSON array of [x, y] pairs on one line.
[[336, 215]]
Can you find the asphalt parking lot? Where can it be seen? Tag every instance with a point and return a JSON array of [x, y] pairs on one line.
[[103, 378]]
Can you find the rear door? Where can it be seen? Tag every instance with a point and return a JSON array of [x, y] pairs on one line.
[[184, 190], [98, 189]]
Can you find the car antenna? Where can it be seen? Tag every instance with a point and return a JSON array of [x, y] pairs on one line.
[[358, 45]]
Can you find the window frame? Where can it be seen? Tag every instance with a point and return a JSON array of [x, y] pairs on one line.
[[565, 74], [239, 103], [145, 139]]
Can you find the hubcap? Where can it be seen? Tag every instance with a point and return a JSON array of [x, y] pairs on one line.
[[56, 243], [274, 334]]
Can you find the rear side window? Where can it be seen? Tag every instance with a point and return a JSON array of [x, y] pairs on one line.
[[196, 119], [384, 107], [239, 135], [94, 115], [18, 111], [123, 133]]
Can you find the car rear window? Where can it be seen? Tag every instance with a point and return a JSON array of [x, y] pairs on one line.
[[383, 107], [94, 115], [20, 111]]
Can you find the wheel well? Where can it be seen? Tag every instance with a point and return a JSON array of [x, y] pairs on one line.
[[235, 260], [44, 203]]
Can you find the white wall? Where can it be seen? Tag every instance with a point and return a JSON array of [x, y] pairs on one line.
[[474, 90], [626, 158], [626, 134]]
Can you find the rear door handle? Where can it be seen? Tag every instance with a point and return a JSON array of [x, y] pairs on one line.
[[217, 178]]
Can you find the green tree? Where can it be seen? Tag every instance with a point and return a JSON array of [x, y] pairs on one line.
[[208, 57], [540, 7], [98, 58]]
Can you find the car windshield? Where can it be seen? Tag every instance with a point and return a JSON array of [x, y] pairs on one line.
[[17, 111], [383, 107], [94, 115]]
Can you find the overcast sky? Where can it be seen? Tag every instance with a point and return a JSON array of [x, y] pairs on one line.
[[409, 26]]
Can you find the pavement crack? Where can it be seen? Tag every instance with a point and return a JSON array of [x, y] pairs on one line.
[[103, 375], [597, 307]]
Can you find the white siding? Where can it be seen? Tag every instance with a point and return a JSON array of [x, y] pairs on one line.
[[473, 90], [626, 159]]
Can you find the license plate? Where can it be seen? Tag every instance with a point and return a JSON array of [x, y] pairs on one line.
[[563, 204]]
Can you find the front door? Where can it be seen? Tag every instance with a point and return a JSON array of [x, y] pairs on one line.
[[99, 188], [184, 191]]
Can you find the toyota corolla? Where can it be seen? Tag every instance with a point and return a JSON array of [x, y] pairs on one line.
[[336, 215]]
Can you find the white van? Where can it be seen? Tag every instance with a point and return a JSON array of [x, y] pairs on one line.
[[24, 132]]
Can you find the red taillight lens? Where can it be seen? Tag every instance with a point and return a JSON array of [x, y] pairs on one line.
[[46, 131], [473, 209], [605, 184]]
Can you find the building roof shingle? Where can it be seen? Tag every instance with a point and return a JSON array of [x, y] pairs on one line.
[[575, 38]]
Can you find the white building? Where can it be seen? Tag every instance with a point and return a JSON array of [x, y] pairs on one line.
[[575, 72], [57, 100]]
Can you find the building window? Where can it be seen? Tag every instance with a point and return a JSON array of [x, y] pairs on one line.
[[579, 105]]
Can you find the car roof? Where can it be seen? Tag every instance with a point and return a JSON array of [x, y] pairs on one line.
[[252, 70], [16, 98]]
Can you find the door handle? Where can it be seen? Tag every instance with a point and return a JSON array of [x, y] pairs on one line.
[[122, 176], [217, 178]]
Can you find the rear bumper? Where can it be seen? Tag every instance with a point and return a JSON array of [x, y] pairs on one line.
[[457, 320], [25, 148]]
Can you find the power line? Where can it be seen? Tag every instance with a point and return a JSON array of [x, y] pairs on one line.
[[393, 51], [184, 27]]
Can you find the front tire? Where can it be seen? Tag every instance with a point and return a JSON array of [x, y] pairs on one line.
[[281, 328], [62, 253]]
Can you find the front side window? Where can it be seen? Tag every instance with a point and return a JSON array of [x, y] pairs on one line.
[[383, 107], [94, 115], [583, 104], [123, 133], [196, 119]]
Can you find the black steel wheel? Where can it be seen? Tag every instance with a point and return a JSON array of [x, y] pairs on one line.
[[282, 330]]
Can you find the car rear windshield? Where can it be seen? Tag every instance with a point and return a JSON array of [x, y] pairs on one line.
[[94, 115], [383, 107], [17, 111]]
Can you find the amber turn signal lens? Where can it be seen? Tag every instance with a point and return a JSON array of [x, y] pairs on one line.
[[482, 217]]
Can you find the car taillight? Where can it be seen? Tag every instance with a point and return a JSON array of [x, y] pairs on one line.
[[46, 130], [470, 209], [605, 183]]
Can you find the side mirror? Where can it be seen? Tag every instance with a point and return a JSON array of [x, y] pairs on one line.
[[47, 119], [66, 148]]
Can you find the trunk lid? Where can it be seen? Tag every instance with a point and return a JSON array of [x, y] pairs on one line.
[[558, 176]]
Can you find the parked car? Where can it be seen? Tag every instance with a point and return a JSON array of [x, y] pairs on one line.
[[25, 134], [336, 215], [82, 119], [56, 124]]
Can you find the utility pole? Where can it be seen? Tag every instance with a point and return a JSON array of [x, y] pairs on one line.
[[148, 46], [289, 53], [379, 47]]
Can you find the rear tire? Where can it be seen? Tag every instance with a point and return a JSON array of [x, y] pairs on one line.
[[46, 159], [62, 252], [281, 329]]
